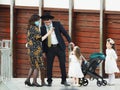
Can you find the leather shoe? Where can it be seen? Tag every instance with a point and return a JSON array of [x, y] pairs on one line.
[[36, 85], [28, 83], [44, 84], [65, 83], [49, 84]]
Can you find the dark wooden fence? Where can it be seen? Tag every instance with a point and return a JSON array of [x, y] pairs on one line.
[[85, 33]]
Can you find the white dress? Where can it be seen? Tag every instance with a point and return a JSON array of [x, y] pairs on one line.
[[74, 67], [110, 61]]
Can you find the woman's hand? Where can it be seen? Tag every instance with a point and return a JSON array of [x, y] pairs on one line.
[[48, 33], [26, 45], [51, 30]]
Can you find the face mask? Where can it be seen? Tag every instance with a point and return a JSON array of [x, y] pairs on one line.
[[37, 23]]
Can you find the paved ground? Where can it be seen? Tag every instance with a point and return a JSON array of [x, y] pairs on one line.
[[18, 84]]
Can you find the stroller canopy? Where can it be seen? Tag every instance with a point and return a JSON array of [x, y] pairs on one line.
[[101, 56]]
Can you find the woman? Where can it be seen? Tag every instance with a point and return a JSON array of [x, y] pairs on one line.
[[34, 44]]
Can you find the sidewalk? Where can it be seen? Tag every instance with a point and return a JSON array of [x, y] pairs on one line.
[[18, 84]]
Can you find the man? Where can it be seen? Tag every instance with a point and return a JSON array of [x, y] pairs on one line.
[[54, 46]]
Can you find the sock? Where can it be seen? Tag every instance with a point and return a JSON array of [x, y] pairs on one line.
[[112, 78]]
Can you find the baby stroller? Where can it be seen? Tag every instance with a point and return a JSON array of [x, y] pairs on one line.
[[89, 68]]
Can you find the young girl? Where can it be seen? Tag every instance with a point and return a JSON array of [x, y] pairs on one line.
[[110, 62], [75, 71]]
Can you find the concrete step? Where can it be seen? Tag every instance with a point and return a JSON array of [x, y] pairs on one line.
[[18, 84], [3, 86], [9, 85]]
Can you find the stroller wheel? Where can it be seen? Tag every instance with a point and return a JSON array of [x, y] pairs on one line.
[[104, 82], [85, 82], [99, 83], [80, 81]]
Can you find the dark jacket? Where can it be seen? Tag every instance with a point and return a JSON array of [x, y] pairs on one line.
[[59, 31]]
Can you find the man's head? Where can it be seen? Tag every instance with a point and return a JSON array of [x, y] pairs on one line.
[[47, 18]]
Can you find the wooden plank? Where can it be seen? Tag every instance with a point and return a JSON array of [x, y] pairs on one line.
[[22, 36], [22, 41], [24, 62], [88, 16], [113, 25], [22, 51], [87, 24], [89, 50], [22, 56], [21, 46], [113, 16], [87, 34], [87, 39], [4, 23], [114, 35], [114, 31], [88, 45]]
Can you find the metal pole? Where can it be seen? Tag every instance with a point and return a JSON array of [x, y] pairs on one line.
[[11, 31], [102, 8], [41, 4], [71, 6]]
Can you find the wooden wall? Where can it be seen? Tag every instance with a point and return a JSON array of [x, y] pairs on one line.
[[113, 31], [4, 23], [85, 34]]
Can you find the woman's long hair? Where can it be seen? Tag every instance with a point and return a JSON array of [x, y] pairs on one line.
[[32, 20]]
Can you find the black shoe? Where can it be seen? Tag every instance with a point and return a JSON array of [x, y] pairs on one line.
[[65, 83], [36, 85], [49, 84], [28, 83]]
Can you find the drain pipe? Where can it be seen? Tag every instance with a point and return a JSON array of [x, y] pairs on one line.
[[12, 2], [41, 4], [71, 7], [102, 8]]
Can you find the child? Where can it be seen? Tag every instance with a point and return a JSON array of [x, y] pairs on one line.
[[75, 71], [110, 62]]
